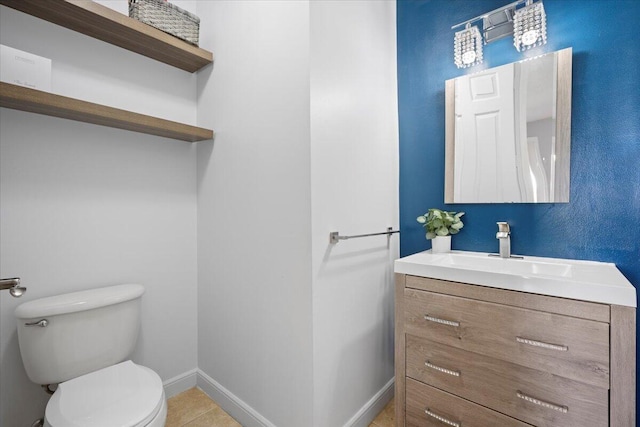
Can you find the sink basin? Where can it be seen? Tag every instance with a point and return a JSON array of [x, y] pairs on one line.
[[583, 280], [523, 266]]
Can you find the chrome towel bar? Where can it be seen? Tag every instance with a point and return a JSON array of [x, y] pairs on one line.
[[335, 237]]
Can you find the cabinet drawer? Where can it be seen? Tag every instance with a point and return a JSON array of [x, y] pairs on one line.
[[573, 348], [443, 407], [529, 395]]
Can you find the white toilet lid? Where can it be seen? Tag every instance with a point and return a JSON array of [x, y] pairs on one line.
[[123, 395]]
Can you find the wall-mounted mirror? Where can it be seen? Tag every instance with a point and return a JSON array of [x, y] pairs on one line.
[[508, 133]]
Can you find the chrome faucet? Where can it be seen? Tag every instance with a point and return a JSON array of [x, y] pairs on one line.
[[13, 285], [504, 237]]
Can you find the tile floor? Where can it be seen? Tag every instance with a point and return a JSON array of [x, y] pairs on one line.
[[193, 408]]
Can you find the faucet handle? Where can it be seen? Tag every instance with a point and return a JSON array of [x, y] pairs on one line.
[[503, 230]]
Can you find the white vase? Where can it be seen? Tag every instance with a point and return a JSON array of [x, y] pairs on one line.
[[441, 244]]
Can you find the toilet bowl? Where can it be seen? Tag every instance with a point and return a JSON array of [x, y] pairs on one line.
[[123, 395], [82, 341]]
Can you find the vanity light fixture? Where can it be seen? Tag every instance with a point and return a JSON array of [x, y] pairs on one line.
[[524, 19], [467, 47], [529, 26]]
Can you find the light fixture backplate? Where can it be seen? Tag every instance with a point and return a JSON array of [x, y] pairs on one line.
[[497, 25]]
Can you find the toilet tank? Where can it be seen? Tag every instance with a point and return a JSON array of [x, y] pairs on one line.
[[85, 331]]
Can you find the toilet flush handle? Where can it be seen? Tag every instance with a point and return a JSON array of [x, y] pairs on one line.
[[43, 323]]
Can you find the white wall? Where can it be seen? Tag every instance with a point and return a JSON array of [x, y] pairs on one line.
[[298, 152], [83, 206], [254, 217], [302, 99], [354, 176]]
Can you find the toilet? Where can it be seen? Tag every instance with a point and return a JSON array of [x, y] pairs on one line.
[[82, 341]]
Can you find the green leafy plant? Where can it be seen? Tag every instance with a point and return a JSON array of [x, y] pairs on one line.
[[441, 223]]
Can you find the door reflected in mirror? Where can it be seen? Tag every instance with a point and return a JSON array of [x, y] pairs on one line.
[[508, 133]]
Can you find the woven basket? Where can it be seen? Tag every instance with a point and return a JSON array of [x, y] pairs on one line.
[[166, 17]]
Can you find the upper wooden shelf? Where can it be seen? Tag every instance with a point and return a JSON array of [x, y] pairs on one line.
[[36, 101], [100, 22]]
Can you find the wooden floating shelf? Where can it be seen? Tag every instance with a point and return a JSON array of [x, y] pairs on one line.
[[100, 22], [36, 101]]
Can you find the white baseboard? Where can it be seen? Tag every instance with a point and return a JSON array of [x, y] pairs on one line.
[[180, 383], [372, 408], [232, 404], [249, 417]]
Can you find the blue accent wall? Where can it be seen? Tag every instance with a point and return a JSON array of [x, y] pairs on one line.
[[602, 220]]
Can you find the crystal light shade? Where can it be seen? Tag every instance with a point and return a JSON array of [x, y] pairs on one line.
[[467, 47], [529, 27]]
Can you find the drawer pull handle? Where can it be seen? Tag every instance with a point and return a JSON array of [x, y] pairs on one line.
[[441, 369], [542, 344], [535, 401], [441, 419], [441, 321]]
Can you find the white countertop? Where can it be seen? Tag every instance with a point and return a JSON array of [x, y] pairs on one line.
[[581, 280]]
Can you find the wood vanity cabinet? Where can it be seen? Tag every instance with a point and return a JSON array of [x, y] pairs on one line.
[[476, 356]]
